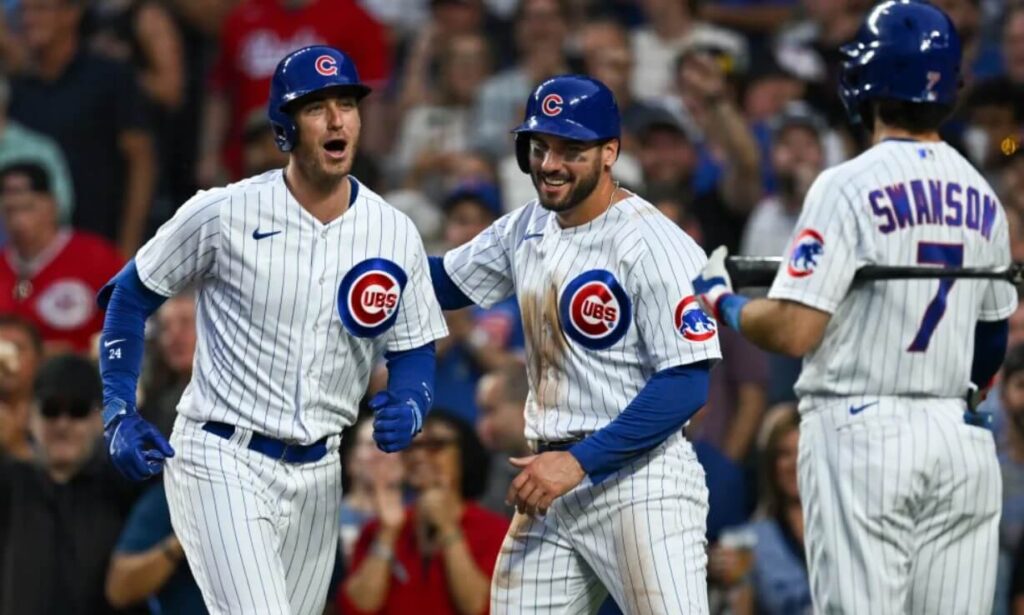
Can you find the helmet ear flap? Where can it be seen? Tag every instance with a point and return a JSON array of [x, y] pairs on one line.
[[523, 151]]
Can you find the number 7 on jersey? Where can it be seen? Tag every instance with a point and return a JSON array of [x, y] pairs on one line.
[[948, 255]]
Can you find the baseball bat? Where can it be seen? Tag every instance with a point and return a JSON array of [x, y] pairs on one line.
[[754, 271]]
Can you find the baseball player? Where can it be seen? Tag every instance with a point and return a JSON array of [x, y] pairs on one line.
[[304, 277], [900, 487], [618, 352]]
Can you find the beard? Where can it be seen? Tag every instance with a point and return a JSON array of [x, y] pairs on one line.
[[578, 192], [318, 170]]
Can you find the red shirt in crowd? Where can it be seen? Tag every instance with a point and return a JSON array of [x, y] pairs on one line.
[[423, 586], [56, 292], [256, 35]]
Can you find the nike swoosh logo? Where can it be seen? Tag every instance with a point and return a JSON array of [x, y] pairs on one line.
[[110, 343], [859, 409], [532, 236], [257, 235]]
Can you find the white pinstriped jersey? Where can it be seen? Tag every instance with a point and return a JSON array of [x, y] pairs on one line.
[[291, 313], [899, 203], [605, 305]]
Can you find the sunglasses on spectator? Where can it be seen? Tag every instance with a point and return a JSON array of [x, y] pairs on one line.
[[431, 445], [55, 408]]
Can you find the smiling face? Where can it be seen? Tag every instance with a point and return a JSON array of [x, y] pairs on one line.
[[329, 126], [566, 172]]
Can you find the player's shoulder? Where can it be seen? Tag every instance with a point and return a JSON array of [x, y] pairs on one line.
[[652, 233]]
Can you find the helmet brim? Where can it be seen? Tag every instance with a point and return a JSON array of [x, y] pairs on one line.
[[560, 127], [356, 90]]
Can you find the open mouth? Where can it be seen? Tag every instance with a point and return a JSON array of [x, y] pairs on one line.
[[336, 148]]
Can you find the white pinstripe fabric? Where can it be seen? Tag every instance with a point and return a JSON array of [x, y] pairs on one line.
[[639, 536], [573, 390], [272, 354], [260, 535], [901, 504]]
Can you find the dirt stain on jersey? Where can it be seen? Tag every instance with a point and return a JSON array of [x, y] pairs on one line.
[[546, 362]]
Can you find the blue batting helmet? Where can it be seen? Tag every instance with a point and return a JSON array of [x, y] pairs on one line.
[[568, 106], [905, 50], [303, 72]]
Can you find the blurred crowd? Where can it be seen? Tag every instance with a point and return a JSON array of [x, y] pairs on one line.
[[114, 112]]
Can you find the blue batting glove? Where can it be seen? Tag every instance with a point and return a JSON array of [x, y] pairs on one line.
[[137, 449], [714, 290], [395, 421]]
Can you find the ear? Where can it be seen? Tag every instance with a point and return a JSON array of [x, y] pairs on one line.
[[610, 152]]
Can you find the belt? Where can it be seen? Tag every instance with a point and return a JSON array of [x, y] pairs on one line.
[[272, 447], [545, 446]]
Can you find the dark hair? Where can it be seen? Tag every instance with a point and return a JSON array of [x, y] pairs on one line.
[[913, 117], [563, 10], [13, 321], [69, 379], [473, 457], [37, 176], [1014, 361], [998, 92]]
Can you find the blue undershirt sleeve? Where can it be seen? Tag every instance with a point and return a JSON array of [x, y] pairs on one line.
[[411, 375], [448, 294], [990, 339], [660, 409], [128, 304]]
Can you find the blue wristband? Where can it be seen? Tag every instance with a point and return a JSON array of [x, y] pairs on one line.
[[729, 308]]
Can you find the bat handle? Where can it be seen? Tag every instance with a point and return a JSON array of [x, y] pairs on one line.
[[748, 271]]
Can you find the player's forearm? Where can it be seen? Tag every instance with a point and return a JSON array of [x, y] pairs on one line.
[[782, 326], [134, 577], [468, 585], [139, 185]]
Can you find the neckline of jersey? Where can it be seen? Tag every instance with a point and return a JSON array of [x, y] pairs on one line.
[[553, 224], [353, 194]]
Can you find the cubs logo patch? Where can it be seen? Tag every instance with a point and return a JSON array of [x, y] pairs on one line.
[[691, 321], [326, 65], [807, 248], [551, 105], [595, 310], [369, 296]]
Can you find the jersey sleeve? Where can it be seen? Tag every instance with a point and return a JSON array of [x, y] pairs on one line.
[[824, 252], [419, 320], [482, 268], [672, 327], [184, 249], [999, 300]]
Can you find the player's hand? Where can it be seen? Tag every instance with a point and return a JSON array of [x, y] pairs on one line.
[[713, 283], [544, 478], [395, 421], [137, 449]]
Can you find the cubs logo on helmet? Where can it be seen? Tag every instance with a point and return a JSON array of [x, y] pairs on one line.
[[551, 105], [326, 65], [807, 249], [369, 296], [692, 322], [595, 310]]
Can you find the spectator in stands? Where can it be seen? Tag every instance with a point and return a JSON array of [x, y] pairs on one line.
[[541, 29], [50, 274], [148, 563], [371, 474], [106, 139], [657, 44], [255, 36], [797, 158], [993, 112], [19, 144], [171, 368], [1013, 43], [259, 149], [437, 130], [501, 424], [437, 554], [766, 572], [1011, 464], [60, 516], [22, 354], [480, 339]]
